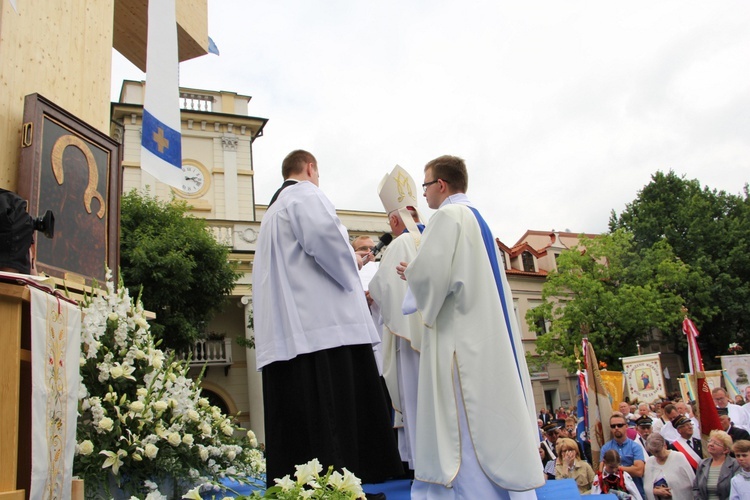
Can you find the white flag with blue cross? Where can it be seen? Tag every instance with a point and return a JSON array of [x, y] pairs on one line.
[[161, 140]]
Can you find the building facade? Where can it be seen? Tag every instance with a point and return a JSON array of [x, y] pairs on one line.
[[527, 264], [217, 141]]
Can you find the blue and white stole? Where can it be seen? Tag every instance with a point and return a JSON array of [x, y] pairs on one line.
[[489, 245]]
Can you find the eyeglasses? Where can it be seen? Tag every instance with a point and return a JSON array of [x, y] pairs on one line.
[[427, 184], [616, 426]]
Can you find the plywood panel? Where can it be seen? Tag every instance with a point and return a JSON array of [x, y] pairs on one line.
[[131, 29], [61, 50]]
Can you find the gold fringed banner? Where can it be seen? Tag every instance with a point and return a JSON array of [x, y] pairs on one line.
[[613, 383], [55, 382]]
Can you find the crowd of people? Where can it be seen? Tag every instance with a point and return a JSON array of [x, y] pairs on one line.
[[655, 452]]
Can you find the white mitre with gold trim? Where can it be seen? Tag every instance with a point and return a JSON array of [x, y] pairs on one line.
[[398, 191]]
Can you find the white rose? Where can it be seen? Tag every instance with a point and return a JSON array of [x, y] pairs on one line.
[[137, 406], [151, 450], [116, 371], [204, 454], [142, 392], [160, 405], [250, 435], [85, 447], [106, 424], [113, 316], [203, 402], [193, 415], [174, 439], [81, 361], [227, 429], [188, 439], [231, 455], [254, 443], [205, 429]]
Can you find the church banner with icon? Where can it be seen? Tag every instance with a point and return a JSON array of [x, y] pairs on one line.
[[713, 380], [737, 370], [684, 389], [644, 377]]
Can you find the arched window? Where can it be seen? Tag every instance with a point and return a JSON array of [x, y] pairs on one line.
[[528, 262], [215, 400]]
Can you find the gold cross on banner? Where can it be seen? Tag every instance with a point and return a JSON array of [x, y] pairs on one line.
[[161, 141]]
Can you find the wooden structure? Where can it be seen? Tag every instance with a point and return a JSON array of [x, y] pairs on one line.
[[14, 307], [63, 51]]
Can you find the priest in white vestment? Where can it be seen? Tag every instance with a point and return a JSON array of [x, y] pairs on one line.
[[476, 419], [401, 334], [313, 333]]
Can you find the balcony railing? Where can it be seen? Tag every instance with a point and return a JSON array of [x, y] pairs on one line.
[[209, 353], [197, 102]]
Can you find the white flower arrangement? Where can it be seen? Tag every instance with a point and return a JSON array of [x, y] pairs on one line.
[[310, 484], [142, 419]]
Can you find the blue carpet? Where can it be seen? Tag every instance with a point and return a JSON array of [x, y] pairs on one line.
[[554, 490], [564, 489]]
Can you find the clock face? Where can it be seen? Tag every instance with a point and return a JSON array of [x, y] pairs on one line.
[[194, 182]]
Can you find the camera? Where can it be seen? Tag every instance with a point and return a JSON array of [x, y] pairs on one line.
[[17, 232], [45, 224]]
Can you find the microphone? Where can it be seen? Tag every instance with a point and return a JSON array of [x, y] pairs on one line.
[[385, 240]]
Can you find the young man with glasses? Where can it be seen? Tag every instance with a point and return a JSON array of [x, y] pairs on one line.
[[473, 378], [631, 454]]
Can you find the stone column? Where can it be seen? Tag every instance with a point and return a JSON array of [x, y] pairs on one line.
[[231, 195]]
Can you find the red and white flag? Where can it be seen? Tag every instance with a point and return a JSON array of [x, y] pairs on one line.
[[706, 412]]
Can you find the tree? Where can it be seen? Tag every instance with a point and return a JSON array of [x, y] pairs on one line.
[[615, 293], [183, 272], [710, 231]]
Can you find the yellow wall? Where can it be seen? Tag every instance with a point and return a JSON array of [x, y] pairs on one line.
[[61, 50]]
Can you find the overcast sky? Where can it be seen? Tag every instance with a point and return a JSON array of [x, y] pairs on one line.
[[562, 109]]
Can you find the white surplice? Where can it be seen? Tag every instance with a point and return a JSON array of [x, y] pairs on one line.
[[467, 338], [365, 276], [307, 295], [401, 339]]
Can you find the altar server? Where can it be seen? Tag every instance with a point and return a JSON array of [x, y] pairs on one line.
[[313, 332]]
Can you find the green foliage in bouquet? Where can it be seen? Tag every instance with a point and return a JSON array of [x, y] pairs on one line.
[[142, 419]]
